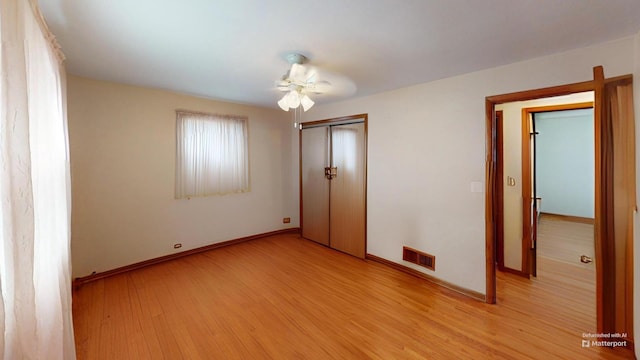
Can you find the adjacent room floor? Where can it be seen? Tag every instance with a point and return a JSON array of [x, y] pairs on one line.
[[560, 244]]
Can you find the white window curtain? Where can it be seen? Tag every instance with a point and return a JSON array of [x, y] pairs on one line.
[[35, 302], [211, 155]]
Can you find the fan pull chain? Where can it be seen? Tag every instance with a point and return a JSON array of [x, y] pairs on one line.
[[296, 123]]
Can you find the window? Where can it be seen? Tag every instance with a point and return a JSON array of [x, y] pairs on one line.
[[212, 156]]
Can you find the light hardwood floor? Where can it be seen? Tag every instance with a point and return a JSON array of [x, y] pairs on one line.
[[286, 298], [560, 245], [563, 240]]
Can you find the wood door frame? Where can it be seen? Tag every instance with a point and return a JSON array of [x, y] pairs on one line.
[[527, 186], [332, 122], [500, 190]]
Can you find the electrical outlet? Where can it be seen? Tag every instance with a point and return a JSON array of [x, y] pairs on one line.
[[286, 220]]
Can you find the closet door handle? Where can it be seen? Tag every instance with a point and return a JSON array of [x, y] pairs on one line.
[[330, 172]]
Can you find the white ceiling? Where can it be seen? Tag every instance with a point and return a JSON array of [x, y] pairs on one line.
[[235, 49]]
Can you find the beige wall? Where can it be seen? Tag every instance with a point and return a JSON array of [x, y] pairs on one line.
[[427, 146], [512, 143], [122, 141]]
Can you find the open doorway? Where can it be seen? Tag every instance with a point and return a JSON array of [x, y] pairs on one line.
[[516, 185], [562, 188], [614, 199], [546, 195]]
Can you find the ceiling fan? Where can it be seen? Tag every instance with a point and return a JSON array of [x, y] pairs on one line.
[[298, 82]]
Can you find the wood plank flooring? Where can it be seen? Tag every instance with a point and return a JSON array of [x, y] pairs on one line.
[[560, 245], [283, 297], [565, 241]]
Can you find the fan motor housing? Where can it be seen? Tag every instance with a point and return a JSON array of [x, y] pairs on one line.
[[296, 59]]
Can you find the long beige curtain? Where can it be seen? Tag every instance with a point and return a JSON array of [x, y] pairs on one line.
[[620, 199], [35, 302]]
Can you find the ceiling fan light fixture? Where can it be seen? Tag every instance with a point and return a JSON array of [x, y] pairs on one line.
[[306, 102], [283, 103], [293, 99]]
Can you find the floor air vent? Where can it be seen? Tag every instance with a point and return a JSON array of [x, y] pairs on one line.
[[418, 257]]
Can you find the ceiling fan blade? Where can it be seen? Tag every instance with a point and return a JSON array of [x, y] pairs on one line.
[[283, 85], [301, 80], [298, 74], [311, 76], [335, 84], [319, 87]]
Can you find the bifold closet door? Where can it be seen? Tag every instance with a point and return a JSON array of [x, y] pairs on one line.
[[315, 186], [347, 189]]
